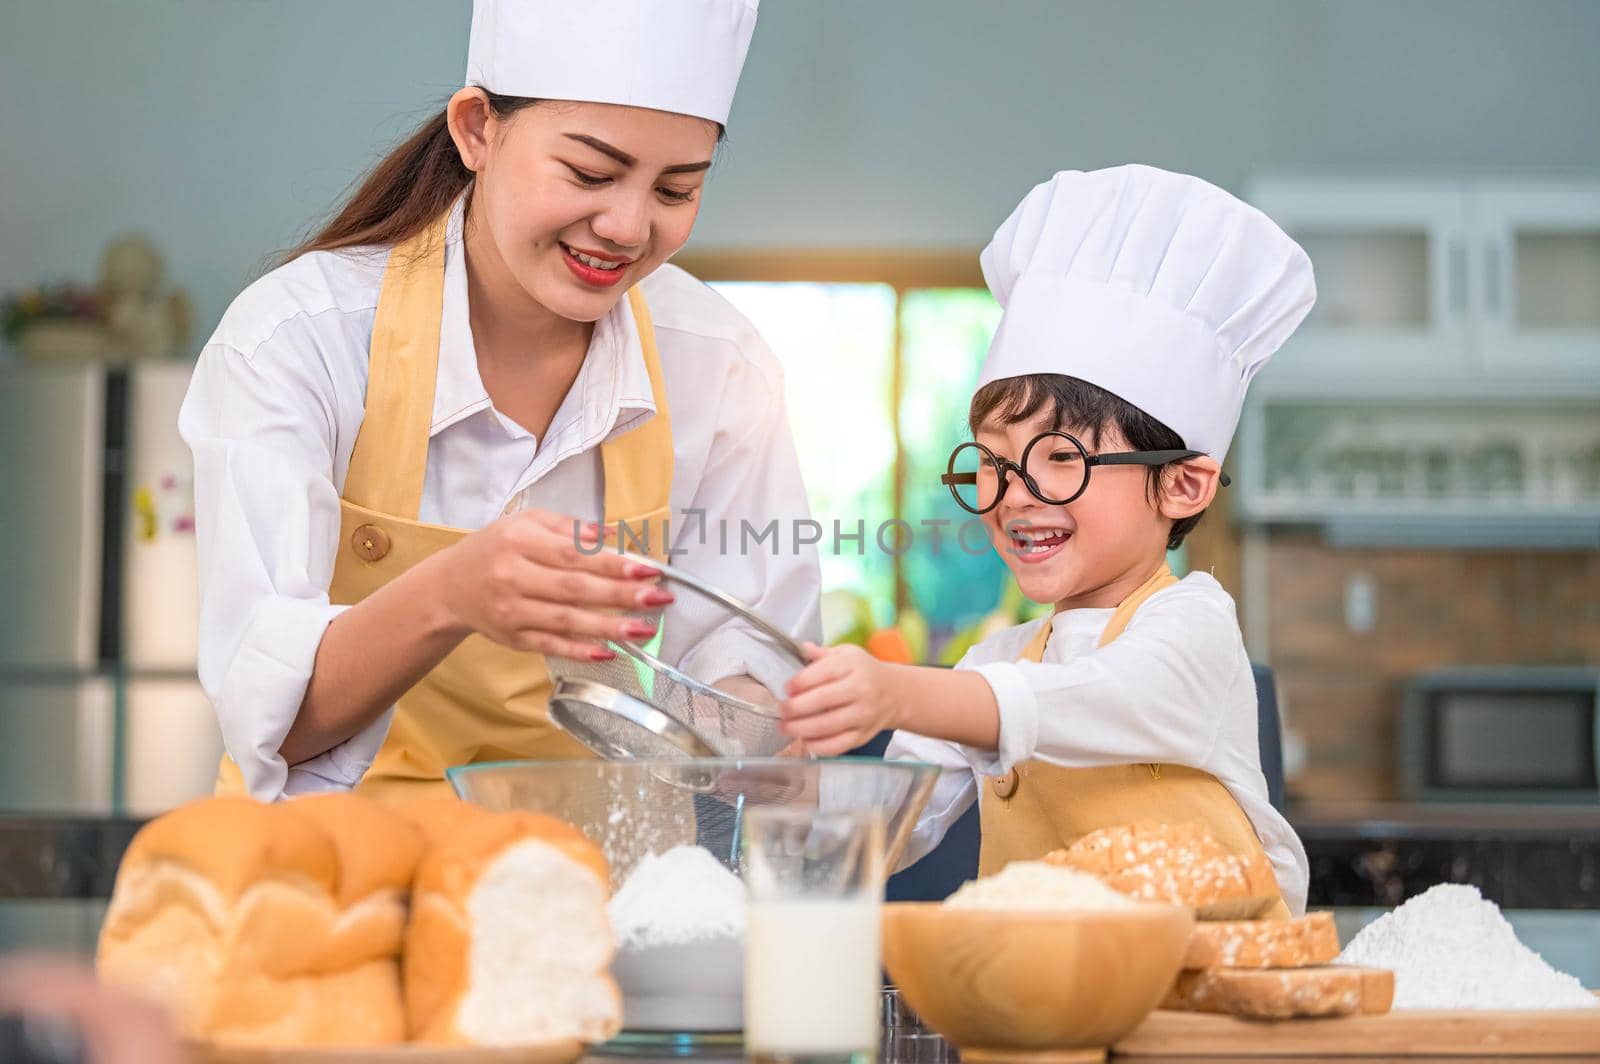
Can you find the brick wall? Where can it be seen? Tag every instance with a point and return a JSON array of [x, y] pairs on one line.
[[1343, 690]]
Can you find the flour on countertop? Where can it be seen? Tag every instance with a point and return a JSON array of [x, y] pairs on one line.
[[1450, 948], [683, 895]]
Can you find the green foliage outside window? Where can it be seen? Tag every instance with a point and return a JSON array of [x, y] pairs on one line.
[[837, 345]]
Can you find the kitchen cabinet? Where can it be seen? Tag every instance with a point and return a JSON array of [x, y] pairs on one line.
[[1445, 389], [1402, 470], [1391, 262], [1454, 282], [1539, 308]]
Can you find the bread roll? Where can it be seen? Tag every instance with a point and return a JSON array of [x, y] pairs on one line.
[[1177, 863], [204, 897], [509, 942], [233, 913], [1281, 994], [378, 851], [440, 818], [357, 1006], [1311, 939]]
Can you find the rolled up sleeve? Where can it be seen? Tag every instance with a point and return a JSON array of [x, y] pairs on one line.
[[263, 436], [1154, 694]]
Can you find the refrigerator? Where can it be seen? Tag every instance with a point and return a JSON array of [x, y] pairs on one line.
[[100, 708]]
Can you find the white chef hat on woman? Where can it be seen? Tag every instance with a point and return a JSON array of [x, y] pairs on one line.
[[1158, 287], [667, 55]]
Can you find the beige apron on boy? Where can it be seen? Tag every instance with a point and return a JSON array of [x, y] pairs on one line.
[[484, 702], [1040, 807]]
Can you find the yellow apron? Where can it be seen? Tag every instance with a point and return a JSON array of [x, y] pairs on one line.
[[484, 702], [1039, 807]]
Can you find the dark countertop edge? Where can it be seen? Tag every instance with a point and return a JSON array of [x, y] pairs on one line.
[[1525, 858], [1361, 820], [45, 857], [1446, 822]]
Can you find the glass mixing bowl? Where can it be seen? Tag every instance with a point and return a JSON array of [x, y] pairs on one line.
[[633, 810]]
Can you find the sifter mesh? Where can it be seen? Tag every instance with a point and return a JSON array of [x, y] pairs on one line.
[[606, 704], [617, 726]]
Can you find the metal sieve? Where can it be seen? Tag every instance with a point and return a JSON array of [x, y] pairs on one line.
[[638, 706]]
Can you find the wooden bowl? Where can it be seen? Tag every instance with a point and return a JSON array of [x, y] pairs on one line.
[[1033, 985]]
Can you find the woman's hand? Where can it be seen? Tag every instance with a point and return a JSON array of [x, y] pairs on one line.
[[523, 582], [841, 700]]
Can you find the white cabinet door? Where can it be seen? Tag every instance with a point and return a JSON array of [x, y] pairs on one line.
[[1537, 277], [172, 743], [1391, 261]]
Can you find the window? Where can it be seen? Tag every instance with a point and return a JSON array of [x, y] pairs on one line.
[[880, 355]]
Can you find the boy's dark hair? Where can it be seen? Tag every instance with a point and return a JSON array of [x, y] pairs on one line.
[[1086, 407]]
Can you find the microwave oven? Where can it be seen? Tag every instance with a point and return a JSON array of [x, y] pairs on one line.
[[1513, 734]]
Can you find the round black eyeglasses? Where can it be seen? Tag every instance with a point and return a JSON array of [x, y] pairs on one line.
[[1055, 468]]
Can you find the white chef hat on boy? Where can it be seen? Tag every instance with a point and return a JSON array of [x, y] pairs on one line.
[[1158, 287], [668, 55]]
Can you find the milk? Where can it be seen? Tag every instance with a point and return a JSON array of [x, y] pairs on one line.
[[813, 977]]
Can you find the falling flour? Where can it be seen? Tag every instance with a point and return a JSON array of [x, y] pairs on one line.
[[1450, 948], [674, 898]]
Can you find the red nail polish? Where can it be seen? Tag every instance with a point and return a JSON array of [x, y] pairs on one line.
[[640, 571], [657, 598], [601, 654], [639, 629]]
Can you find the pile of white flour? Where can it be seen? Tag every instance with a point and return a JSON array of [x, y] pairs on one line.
[[1450, 948], [674, 898], [679, 921]]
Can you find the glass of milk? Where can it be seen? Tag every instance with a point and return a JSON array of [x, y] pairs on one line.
[[813, 972]]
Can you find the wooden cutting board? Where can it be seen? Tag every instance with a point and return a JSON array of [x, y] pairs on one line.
[[1405, 1033], [556, 1053]]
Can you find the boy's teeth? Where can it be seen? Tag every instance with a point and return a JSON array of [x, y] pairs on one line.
[[1034, 542]]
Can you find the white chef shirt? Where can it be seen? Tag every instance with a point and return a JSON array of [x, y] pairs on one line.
[[1174, 688], [272, 414]]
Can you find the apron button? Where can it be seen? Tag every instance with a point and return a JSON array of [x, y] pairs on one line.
[[1005, 786], [370, 543]]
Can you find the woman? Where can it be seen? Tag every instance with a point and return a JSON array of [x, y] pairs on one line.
[[393, 431]]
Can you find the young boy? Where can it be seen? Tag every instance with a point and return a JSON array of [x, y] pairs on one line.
[[1137, 306]]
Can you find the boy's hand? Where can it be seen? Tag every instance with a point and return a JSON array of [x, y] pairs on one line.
[[839, 701]]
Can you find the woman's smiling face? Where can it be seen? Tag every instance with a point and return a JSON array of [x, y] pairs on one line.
[[1085, 552], [581, 201]]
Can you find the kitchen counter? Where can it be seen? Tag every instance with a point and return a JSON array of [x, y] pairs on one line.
[[62, 856], [1409, 820], [1525, 857], [920, 1055]]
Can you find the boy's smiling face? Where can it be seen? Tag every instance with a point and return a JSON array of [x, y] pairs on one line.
[[1106, 542]]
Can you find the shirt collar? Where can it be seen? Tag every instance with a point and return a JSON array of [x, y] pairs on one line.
[[611, 394], [1086, 620]]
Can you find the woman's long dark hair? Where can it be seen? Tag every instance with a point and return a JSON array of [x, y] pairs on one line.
[[410, 187]]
